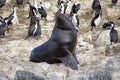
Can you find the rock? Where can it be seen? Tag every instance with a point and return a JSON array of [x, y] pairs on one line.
[[92, 75], [114, 49], [86, 45], [118, 30], [24, 75], [4, 77], [87, 37], [83, 43], [98, 75], [103, 50], [8, 1], [55, 76], [110, 10], [47, 5], [103, 38], [44, 66], [49, 18]]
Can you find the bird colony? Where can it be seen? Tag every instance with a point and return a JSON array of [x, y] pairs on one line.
[[59, 39]]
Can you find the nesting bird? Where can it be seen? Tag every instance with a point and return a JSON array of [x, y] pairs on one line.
[[107, 25], [13, 20], [68, 7], [35, 4], [95, 21], [75, 20], [34, 30], [73, 14], [59, 2], [42, 11], [2, 3], [98, 10], [97, 18], [113, 33], [95, 4], [62, 7], [75, 7], [32, 10], [4, 23]]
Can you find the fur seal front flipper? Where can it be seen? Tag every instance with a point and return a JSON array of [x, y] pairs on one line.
[[69, 60]]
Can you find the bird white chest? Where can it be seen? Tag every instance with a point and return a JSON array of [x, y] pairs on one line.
[[62, 8], [97, 21], [15, 18], [36, 26], [68, 9], [74, 20], [35, 4]]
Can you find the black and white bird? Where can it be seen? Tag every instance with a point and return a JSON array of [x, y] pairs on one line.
[[32, 10], [34, 30], [13, 20], [4, 23], [33, 18], [75, 7], [19, 2], [68, 7], [95, 21], [98, 10], [107, 25], [62, 7], [59, 2], [113, 34], [35, 4], [2, 3], [42, 11], [114, 2], [95, 3], [75, 20]]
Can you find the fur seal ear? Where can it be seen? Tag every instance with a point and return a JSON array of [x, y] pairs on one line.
[[69, 60]]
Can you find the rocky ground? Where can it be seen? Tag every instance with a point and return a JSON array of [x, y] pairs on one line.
[[98, 59]]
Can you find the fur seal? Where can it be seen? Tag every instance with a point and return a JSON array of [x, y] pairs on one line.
[[60, 48]]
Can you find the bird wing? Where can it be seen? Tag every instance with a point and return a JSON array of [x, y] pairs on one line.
[[31, 29], [42, 11]]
